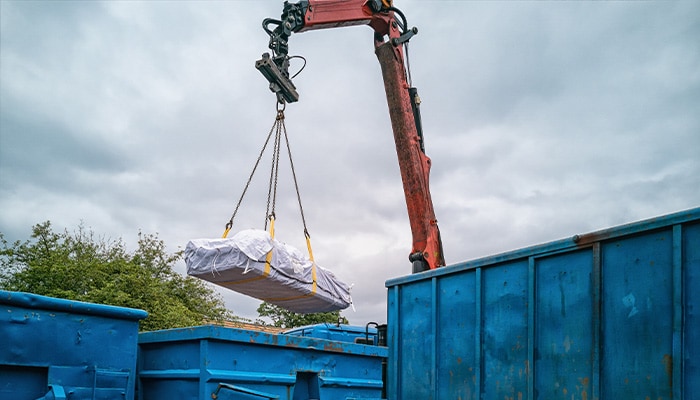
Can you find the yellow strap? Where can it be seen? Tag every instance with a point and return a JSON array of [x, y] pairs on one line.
[[268, 258], [313, 276], [272, 226], [266, 272], [226, 233], [313, 263], [308, 246]]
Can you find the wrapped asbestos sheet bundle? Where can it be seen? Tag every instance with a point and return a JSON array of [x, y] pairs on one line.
[[253, 263]]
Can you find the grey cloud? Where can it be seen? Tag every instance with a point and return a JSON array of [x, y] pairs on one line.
[[543, 120]]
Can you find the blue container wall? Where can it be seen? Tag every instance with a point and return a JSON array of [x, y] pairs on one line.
[[337, 332], [86, 351], [607, 315], [191, 363]]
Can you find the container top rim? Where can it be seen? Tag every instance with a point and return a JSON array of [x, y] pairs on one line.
[[250, 337], [35, 301], [576, 241]]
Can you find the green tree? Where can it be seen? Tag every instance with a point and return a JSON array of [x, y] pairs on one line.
[[81, 266], [283, 318]]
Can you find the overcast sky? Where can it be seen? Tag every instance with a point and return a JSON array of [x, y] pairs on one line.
[[543, 120]]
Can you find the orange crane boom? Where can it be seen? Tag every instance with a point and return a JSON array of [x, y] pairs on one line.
[[390, 36]]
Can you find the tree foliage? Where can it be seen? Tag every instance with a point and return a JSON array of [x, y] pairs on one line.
[[283, 318], [81, 266]]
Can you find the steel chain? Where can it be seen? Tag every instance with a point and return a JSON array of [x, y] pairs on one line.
[[278, 127]]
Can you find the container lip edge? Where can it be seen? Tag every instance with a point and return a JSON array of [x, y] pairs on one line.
[[36, 301], [576, 241], [251, 337]]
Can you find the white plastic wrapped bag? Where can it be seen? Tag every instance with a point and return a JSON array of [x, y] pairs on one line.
[[289, 280]]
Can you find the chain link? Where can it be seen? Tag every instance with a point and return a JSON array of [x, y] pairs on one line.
[[296, 185], [274, 170], [250, 178], [279, 128]]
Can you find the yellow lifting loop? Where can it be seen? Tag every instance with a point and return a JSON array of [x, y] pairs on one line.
[[313, 276], [227, 230], [387, 3], [272, 225], [313, 263], [308, 246], [268, 257]]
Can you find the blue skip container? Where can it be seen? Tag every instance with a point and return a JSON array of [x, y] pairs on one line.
[[213, 362], [613, 314], [60, 349]]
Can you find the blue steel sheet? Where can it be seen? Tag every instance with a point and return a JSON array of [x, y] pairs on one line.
[[452, 367], [337, 332], [504, 331], [417, 354], [637, 318], [191, 363], [564, 287], [86, 350], [690, 341], [608, 315]]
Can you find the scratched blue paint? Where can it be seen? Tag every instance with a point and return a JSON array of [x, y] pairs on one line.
[[66, 349], [413, 375], [691, 290], [457, 369], [563, 361], [504, 331], [637, 317], [613, 314]]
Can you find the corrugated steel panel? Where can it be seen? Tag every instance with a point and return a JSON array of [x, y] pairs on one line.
[[199, 362], [607, 315], [66, 349]]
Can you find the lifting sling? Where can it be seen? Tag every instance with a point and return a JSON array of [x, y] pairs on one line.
[[253, 262]]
